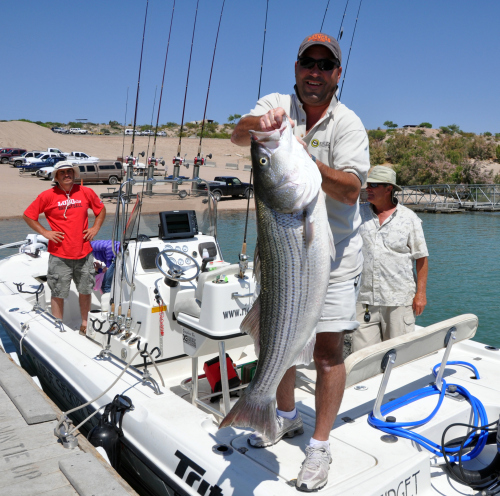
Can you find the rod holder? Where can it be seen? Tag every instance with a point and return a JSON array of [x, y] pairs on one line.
[[448, 342], [387, 363]]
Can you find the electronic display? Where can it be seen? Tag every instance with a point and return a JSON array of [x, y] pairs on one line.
[[178, 224]]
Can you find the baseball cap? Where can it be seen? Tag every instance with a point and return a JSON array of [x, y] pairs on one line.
[[321, 39], [383, 174], [65, 165]]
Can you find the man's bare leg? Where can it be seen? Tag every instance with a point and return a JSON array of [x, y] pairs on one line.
[[84, 307], [330, 382], [285, 395], [57, 307]]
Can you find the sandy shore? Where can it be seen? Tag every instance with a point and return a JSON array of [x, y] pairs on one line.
[[17, 191]]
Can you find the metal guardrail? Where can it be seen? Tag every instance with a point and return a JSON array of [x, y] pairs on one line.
[[467, 196]]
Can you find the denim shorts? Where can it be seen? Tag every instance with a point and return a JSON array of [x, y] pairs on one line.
[[62, 270]]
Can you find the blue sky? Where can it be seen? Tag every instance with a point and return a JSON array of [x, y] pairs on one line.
[[434, 61]]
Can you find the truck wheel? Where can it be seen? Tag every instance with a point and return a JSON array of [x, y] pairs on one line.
[[248, 193], [217, 195], [113, 180], [5, 160], [18, 163]]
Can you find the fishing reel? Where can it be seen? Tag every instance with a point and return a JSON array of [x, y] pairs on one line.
[[156, 161]]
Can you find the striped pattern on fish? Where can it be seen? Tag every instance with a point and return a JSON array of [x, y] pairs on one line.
[[294, 250]]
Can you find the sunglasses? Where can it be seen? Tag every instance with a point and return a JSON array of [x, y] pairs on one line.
[[323, 64], [375, 185]]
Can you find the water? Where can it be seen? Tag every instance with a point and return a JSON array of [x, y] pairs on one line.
[[463, 262]]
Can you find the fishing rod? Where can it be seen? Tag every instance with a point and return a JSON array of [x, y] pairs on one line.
[[243, 255], [130, 160], [350, 48], [198, 159], [341, 28], [324, 16], [178, 160], [153, 161]]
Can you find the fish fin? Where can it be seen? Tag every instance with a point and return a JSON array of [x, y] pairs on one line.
[[331, 244], [306, 355], [257, 415], [251, 324], [309, 228]]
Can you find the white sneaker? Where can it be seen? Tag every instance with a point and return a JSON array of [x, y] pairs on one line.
[[314, 472], [285, 428]]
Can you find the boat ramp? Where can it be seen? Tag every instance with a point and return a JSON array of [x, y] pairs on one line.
[[32, 460], [451, 198]]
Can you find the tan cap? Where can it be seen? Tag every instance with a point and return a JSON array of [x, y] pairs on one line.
[[322, 39], [65, 165], [384, 175]]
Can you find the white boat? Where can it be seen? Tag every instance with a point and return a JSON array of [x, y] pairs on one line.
[[171, 443]]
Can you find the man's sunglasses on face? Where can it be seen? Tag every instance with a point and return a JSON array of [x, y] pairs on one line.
[[375, 185], [323, 64]]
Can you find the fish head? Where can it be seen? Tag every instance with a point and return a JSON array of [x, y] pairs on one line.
[[286, 178]]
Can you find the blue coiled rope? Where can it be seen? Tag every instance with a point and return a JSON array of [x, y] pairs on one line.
[[401, 429]]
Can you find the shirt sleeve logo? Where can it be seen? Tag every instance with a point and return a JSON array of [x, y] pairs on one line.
[[315, 143]]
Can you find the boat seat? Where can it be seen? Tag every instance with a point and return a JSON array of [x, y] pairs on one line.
[[186, 302], [366, 363]]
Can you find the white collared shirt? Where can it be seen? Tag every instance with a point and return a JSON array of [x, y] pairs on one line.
[[338, 140], [389, 251]]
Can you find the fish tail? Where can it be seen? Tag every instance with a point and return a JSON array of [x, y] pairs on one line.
[[258, 415]]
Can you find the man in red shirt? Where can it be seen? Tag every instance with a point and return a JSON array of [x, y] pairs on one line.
[[66, 209]]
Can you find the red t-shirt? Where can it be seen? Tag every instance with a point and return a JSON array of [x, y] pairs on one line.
[[53, 204]]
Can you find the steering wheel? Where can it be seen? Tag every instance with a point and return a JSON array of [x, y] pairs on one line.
[[175, 271]]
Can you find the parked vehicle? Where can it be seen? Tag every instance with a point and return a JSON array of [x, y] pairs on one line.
[[80, 157], [57, 129], [43, 156], [18, 160], [130, 131], [34, 167], [229, 186], [11, 152], [55, 150], [77, 130]]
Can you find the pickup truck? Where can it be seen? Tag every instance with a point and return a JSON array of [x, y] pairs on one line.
[[34, 167], [80, 157], [11, 152], [229, 186], [18, 160], [77, 130], [42, 157]]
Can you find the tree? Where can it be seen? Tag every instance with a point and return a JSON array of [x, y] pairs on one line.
[[487, 133], [234, 118], [390, 124], [454, 128], [497, 152], [428, 125]]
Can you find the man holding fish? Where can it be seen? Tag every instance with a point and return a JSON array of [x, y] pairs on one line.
[[318, 298]]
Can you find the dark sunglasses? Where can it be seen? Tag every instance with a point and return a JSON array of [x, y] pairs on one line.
[[323, 64], [376, 185]]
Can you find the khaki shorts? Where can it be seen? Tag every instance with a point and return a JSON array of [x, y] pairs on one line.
[[385, 323], [62, 270], [339, 310]]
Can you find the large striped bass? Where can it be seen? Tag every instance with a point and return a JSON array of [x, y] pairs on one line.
[[292, 263]]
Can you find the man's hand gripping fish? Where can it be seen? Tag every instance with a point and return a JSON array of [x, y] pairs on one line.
[[292, 266]]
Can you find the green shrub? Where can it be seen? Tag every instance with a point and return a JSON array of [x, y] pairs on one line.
[[425, 124], [376, 134], [481, 149], [496, 179], [171, 124], [75, 124], [377, 153], [191, 125], [497, 152], [104, 130], [487, 133]]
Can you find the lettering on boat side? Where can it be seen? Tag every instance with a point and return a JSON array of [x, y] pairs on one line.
[[239, 312], [195, 473], [405, 487]]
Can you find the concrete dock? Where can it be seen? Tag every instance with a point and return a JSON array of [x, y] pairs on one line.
[[32, 459]]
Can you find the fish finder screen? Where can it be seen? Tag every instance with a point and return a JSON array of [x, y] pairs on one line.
[[177, 223]]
